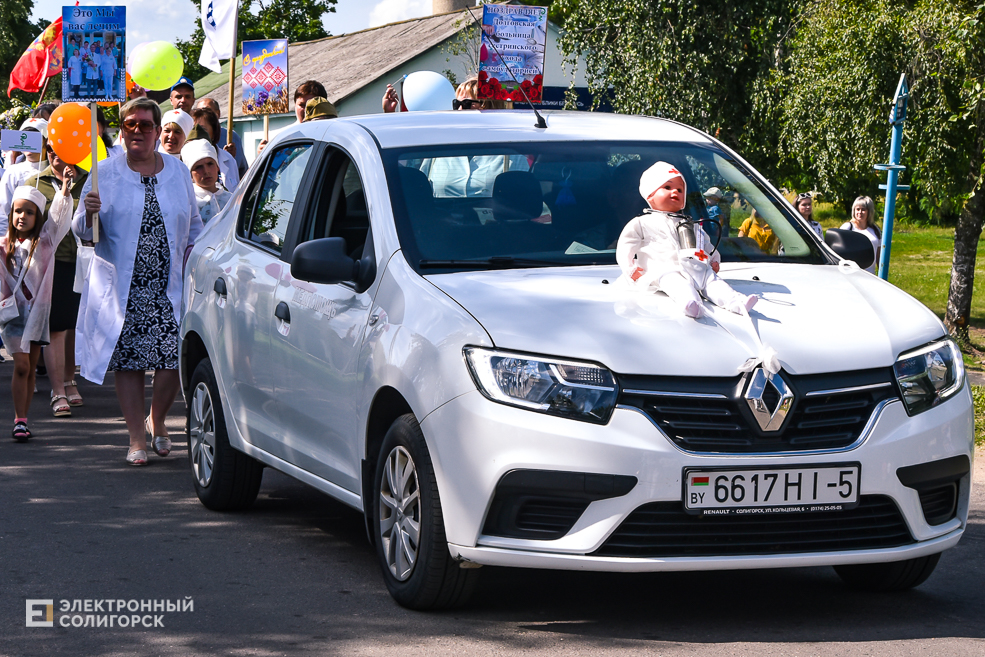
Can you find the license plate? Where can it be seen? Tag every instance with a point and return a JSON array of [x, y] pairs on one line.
[[764, 491]]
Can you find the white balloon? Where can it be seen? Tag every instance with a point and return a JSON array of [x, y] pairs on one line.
[[427, 90]]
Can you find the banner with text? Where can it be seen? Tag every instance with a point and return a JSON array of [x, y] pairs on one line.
[[515, 37]]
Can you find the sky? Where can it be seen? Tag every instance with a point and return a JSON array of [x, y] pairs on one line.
[[157, 20]]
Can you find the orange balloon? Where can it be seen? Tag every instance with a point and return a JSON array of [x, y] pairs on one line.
[[130, 83], [70, 132]]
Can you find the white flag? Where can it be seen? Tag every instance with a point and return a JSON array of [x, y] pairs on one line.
[[219, 22]]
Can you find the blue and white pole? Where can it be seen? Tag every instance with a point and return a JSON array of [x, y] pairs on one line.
[[897, 115]]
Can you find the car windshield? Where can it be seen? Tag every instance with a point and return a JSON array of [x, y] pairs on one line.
[[483, 206]]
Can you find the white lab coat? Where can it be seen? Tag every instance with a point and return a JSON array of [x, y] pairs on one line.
[[107, 285], [33, 321], [74, 71], [13, 178], [650, 243], [228, 168]]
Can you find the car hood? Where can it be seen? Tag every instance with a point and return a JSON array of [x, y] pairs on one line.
[[818, 318]]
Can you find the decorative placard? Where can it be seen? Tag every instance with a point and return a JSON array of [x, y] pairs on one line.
[[265, 83]]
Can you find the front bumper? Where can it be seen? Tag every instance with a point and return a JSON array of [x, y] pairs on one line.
[[474, 442]]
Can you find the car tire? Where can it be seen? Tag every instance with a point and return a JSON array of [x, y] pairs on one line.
[[225, 479], [417, 567], [886, 577]]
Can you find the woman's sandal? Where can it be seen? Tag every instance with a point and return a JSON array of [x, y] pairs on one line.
[[161, 444], [137, 457], [60, 409], [76, 399], [21, 433]]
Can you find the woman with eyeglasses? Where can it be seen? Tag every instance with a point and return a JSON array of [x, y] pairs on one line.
[[863, 221], [805, 206], [129, 315]]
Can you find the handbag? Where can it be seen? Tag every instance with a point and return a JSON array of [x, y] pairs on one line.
[[83, 261], [8, 306]]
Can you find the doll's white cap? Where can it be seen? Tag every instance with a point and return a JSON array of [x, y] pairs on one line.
[[654, 177], [181, 117], [196, 150], [26, 193]]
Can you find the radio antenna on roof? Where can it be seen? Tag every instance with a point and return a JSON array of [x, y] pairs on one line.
[[541, 123]]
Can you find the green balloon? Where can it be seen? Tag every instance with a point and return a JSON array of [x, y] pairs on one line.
[[156, 65]]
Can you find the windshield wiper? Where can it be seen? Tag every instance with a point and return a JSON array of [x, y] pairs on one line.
[[496, 262]]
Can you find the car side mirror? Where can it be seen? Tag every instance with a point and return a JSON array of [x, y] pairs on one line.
[[851, 245], [327, 261]]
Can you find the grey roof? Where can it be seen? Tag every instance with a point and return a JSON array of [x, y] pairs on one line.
[[348, 62]]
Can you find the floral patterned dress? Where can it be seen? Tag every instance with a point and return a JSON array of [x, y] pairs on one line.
[[149, 339]]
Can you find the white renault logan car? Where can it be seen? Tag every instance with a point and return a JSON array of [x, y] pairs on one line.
[[420, 315]]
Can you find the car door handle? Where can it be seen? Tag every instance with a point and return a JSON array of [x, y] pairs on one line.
[[282, 312], [220, 287]]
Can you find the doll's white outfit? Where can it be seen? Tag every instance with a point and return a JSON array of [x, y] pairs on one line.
[[651, 258], [33, 297]]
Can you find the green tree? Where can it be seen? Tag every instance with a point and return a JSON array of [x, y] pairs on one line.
[[705, 64], [295, 20], [844, 64], [16, 34]]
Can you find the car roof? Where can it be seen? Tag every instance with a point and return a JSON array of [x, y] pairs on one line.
[[408, 129]]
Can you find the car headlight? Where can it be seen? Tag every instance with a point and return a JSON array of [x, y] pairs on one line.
[[929, 375], [579, 391]]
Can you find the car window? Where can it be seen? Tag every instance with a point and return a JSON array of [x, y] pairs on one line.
[[276, 196], [341, 208], [566, 203]]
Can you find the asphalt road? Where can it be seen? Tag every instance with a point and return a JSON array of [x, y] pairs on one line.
[[296, 575]]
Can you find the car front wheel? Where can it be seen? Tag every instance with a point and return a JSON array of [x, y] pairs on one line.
[[225, 479], [410, 533], [892, 576]]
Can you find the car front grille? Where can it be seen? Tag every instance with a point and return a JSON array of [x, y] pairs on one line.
[[711, 415], [664, 529]]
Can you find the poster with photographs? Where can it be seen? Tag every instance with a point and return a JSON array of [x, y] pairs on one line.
[[265, 86], [94, 40]]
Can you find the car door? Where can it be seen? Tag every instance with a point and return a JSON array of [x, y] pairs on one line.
[[251, 270], [317, 374]]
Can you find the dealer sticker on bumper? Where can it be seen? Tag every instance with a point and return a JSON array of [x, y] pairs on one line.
[[763, 491]]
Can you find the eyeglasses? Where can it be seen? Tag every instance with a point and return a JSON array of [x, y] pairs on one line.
[[133, 125], [467, 103]]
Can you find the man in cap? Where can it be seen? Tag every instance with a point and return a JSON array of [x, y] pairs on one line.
[[718, 209], [319, 108], [666, 251], [183, 95]]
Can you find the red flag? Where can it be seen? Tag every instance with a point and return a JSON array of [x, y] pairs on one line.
[[42, 59]]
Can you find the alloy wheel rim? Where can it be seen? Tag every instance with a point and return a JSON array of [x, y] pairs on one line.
[[400, 513], [201, 435]]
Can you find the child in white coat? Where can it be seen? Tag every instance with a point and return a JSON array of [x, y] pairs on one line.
[[652, 256], [203, 164], [28, 253]]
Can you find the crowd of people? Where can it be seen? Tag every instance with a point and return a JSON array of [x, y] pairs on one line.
[[112, 305]]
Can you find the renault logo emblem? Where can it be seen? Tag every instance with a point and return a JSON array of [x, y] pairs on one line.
[[769, 399]]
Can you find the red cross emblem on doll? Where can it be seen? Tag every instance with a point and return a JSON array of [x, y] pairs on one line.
[[701, 255], [674, 171]]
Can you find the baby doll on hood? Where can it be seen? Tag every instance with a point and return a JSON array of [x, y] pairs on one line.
[[652, 257]]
